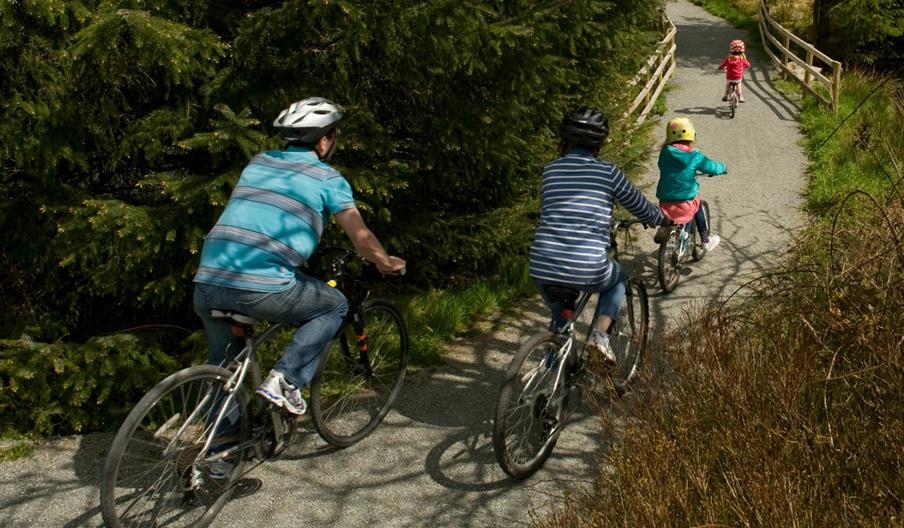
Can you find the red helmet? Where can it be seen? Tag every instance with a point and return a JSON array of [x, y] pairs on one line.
[[736, 46]]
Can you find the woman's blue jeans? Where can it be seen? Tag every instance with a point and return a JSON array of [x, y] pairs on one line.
[[318, 308], [611, 295]]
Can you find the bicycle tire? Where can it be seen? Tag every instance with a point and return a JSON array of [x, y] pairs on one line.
[[699, 251], [164, 481], [628, 335], [669, 265], [525, 426], [733, 104], [354, 389]]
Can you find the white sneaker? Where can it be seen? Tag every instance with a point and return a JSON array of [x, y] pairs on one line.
[[281, 393], [713, 242], [599, 344]]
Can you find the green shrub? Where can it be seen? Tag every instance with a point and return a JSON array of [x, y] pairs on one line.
[[66, 388]]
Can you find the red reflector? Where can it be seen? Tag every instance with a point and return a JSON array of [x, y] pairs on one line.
[[567, 313], [238, 331]]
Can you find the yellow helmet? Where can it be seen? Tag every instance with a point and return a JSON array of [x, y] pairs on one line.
[[680, 128]]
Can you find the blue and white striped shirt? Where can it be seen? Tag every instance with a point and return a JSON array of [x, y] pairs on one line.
[[273, 221], [576, 197]]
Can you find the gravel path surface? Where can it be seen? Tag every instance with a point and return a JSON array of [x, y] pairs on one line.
[[431, 463]]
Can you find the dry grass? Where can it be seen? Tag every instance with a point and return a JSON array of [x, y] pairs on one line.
[[795, 15], [786, 411]]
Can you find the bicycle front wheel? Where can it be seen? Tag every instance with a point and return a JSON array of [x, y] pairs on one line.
[[628, 335], [525, 428], [360, 375], [669, 266], [156, 473]]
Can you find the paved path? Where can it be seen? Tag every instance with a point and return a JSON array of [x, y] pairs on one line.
[[431, 462]]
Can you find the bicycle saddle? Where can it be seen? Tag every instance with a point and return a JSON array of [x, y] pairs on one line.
[[233, 317], [561, 294]]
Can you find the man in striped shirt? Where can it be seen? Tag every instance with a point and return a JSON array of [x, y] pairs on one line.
[[270, 227], [570, 246]]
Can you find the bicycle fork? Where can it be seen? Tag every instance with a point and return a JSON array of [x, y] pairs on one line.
[[361, 339]]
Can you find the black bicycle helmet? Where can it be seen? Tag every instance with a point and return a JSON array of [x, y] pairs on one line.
[[585, 128]]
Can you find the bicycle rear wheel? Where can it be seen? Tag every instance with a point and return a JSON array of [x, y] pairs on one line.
[[669, 266], [733, 103], [525, 428], [360, 375], [155, 473], [628, 335]]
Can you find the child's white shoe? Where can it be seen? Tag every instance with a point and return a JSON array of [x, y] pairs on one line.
[[713, 242]]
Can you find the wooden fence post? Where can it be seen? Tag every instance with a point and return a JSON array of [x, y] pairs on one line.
[[775, 36], [836, 85], [807, 75]]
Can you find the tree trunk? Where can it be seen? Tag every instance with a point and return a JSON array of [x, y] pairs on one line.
[[822, 24]]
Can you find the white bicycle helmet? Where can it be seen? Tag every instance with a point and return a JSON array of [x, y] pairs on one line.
[[308, 120]]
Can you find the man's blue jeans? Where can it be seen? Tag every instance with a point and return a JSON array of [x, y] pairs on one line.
[[612, 294], [309, 302]]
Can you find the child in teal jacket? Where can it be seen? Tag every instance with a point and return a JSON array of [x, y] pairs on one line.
[[678, 191]]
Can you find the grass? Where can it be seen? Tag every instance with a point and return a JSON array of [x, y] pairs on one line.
[[437, 316], [786, 410], [861, 155], [742, 14], [15, 451]]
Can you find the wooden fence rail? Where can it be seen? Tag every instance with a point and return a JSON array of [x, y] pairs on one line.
[[654, 75], [777, 41]]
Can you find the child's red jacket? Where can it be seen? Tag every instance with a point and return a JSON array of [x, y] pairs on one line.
[[734, 67]]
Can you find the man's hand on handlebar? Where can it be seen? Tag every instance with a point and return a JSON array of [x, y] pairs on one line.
[[394, 266]]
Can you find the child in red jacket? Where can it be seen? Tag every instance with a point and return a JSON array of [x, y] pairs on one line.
[[734, 65]]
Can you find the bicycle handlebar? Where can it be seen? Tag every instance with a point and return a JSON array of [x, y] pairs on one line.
[[626, 223]]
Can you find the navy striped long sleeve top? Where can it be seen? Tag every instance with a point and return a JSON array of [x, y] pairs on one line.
[[576, 198]]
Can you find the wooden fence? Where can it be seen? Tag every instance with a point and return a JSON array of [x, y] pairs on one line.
[[777, 41], [654, 75]]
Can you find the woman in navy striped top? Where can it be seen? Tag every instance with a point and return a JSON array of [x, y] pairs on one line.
[[576, 199]]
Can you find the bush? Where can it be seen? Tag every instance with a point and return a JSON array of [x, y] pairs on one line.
[[65, 388]]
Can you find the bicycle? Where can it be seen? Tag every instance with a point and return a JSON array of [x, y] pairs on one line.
[[733, 98], [544, 381], [681, 242], [178, 455]]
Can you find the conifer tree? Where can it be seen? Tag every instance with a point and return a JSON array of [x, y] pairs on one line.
[[868, 32]]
